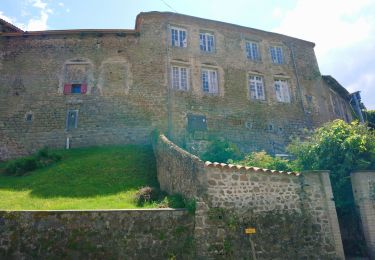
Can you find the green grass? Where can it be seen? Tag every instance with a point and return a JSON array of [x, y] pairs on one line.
[[85, 178]]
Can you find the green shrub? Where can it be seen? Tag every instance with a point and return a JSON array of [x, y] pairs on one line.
[[21, 166], [264, 160], [146, 195], [221, 151]]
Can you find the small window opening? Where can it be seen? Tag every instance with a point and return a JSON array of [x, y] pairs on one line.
[[29, 117], [76, 88]]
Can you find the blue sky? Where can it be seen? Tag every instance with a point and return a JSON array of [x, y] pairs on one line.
[[343, 30]]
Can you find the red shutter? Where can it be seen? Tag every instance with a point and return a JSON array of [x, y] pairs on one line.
[[84, 88], [67, 88]]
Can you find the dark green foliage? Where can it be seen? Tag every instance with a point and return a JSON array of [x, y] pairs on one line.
[[370, 118], [221, 151], [21, 166], [179, 201], [340, 148], [264, 160]]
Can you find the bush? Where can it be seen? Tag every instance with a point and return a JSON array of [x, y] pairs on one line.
[[264, 160], [146, 195], [221, 151], [21, 166]]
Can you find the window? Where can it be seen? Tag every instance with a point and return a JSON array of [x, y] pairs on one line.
[[75, 89], [209, 81], [178, 36], [71, 119], [252, 51], [206, 42], [276, 55], [282, 91], [256, 87], [29, 117], [180, 78]]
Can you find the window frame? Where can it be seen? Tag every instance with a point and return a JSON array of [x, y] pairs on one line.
[[252, 54], [181, 43], [179, 85], [68, 113], [283, 89], [212, 82], [258, 84], [277, 54], [207, 45]]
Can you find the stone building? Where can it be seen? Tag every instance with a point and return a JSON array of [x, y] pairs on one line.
[[192, 78]]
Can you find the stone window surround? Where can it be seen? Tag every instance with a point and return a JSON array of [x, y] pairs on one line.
[[210, 68], [276, 61], [259, 56], [258, 74], [179, 83], [76, 61], [287, 79], [207, 33], [178, 28]]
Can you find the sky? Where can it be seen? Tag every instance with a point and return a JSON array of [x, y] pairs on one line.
[[343, 30]]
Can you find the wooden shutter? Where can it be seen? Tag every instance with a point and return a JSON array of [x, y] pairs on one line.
[[67, 88]]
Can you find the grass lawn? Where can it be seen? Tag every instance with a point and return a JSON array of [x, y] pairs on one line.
[[85, 178]]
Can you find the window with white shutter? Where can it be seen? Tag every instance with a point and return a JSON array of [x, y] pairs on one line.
[[206, 42]]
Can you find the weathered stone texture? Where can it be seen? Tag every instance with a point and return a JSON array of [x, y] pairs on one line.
[[294, 213], [117, 234], [128, 80], [363, 184]]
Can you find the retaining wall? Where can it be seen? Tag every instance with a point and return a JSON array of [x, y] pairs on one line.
[[363, 184], [292, 215], [109, 234]]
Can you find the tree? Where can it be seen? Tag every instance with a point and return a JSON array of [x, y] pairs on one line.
[[341, 148]]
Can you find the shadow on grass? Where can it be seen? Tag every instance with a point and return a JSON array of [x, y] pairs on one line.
[[89, 172]]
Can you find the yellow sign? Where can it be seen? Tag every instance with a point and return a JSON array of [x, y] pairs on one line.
[[250, 231]]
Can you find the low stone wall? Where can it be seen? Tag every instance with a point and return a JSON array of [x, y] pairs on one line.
[[117, 234], [293, 215], [178, 170], [363, 184]]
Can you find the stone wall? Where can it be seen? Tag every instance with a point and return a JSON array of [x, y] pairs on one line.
[[128, 91], [293, 214], [363, 184], [117, 234]]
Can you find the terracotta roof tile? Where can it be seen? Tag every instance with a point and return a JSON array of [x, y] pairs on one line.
[[247, 168]]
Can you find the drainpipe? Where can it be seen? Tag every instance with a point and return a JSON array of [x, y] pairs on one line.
[[169, 92], [355, 101]]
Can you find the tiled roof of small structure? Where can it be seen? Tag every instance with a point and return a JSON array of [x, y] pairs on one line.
[[336, 86], [247, 168]]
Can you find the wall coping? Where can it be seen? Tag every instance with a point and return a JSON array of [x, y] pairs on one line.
[[99, 210]]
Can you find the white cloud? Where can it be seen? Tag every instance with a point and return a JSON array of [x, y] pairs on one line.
[[67, 10], [61, 4], [344, 33], [39, 23]]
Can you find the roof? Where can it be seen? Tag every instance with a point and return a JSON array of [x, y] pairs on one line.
[[337, 87], [247, 168], [6, 27]]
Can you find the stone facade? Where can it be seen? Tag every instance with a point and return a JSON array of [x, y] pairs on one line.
[[98, 87], [363, 184], [117, 234], [294, 213]]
